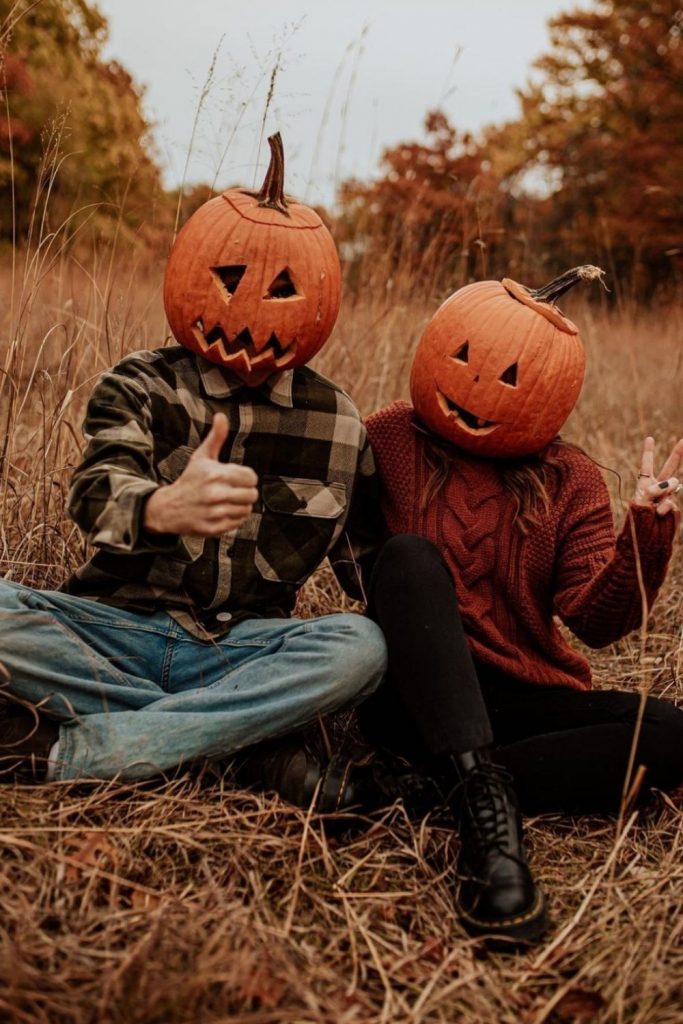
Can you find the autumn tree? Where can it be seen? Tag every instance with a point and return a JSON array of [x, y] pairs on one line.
[[71, 128], [438, 210], [589, 173], [604, 120]]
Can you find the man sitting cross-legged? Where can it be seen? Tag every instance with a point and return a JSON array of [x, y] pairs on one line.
[[218, 474]]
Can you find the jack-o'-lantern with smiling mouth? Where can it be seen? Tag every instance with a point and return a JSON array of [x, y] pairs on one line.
[[253, 281], [499, 368]]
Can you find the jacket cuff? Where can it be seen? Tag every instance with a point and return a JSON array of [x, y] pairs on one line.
[[119, 525]]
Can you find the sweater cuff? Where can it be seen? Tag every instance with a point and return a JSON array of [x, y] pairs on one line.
[[653, 535]]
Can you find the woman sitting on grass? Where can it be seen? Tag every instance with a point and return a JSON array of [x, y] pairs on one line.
[[497, 525]]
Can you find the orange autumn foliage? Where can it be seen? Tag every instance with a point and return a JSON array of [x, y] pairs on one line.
[[590, 172]]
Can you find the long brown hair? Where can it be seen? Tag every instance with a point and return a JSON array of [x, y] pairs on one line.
[[528, 479]]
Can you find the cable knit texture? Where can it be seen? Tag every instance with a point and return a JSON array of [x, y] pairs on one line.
[[511, 585]]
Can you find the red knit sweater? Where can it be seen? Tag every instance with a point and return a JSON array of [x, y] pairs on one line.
[[510, 585]]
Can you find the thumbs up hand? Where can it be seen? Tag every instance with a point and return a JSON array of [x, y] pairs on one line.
[[209, 497], [210, 448]]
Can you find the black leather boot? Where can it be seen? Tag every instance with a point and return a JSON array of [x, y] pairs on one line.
[[25, 741], [497, 896], [299, 772], [357, 778], [290, 767]]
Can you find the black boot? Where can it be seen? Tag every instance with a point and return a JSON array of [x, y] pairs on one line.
[[497, 896], [25, 741], [357, 778], [300, 772], [289, 767]]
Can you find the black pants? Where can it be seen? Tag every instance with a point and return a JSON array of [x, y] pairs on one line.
[[567, 750]]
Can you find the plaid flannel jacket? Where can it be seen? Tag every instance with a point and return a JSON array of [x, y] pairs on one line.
[[318, 491]]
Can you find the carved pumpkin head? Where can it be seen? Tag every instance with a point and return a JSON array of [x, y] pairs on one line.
[[253, 281], [498, 368]]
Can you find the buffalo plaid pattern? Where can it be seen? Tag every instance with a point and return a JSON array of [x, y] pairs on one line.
[[318, 492]]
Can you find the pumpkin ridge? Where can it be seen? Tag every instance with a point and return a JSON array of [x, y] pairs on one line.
[[539, 364], [481, 330]]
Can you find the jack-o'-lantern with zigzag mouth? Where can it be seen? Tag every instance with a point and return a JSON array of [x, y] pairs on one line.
[[253, 281], [499, 368]]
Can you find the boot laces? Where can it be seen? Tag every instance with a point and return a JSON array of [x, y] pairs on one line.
[[397, 781], [485, 797]]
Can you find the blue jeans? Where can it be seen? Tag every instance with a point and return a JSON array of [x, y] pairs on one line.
[[138, 694]]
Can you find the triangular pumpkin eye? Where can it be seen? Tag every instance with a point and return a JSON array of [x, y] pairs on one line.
[[230, 277], [510, 376], [463, 353], [283, 286]]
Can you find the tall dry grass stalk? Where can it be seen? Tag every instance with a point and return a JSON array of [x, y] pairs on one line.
[[188, 900]]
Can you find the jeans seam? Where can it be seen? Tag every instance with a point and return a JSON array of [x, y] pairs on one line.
[[244, 643], [98, 658], [109, 623], [171, 638], [65, 752]]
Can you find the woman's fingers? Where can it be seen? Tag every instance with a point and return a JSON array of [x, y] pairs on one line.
[[673, 462], [660, 490], [665, 506], [647, 462]]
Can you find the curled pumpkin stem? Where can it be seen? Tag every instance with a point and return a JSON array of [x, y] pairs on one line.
[[272, 194], [552, 291]]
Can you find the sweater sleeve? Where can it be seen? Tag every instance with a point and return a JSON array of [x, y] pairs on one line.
[[598, 593]]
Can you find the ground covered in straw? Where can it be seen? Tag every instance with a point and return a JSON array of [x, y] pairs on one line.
[[190, 900]]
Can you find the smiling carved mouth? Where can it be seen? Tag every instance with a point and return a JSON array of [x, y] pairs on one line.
[[242, 344], [466, 419]]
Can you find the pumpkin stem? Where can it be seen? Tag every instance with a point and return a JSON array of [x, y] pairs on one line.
[[552, 291], [272, 192]]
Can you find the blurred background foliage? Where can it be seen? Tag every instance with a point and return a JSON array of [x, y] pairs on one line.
[[591, 170], [72, 130]]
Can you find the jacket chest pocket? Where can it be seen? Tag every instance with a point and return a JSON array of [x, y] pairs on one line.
[[299, 523]]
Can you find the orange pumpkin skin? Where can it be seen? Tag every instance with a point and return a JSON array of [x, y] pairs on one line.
[[497, 372], [228, 259]]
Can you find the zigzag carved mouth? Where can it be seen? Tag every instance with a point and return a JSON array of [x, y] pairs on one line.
[[243, 343], [466, 419]]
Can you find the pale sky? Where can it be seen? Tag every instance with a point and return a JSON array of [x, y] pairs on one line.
[[354, 77]]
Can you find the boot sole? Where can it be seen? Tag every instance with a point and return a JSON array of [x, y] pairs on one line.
[[512, 932]]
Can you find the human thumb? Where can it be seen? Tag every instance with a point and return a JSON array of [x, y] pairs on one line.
[[210, 448]]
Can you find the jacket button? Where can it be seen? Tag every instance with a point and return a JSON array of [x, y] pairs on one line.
[[223, 616]]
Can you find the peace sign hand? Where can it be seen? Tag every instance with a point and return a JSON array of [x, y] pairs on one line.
[[657, 491]]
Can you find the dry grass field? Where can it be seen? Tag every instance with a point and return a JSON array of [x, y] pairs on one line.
[[190, 901]]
